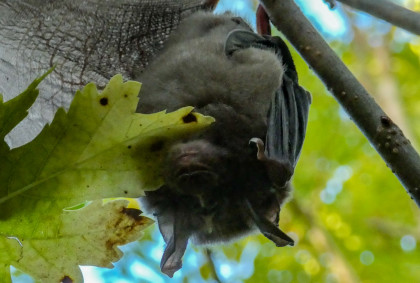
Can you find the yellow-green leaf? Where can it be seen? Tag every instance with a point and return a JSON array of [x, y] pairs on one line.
[[99, 149]]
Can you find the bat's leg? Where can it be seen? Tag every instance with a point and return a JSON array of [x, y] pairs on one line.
[[268, 229], [263, 21], [210, 4], [176, 242]]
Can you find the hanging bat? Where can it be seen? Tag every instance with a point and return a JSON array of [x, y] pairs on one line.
[[230, 179]]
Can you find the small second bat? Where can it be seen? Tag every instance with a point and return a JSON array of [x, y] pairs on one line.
[[230, 179]]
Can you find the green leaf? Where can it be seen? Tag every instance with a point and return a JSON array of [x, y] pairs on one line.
[[52, 218], [16, 109]]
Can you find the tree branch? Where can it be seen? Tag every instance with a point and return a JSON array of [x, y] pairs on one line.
[[384, 135], [388, 11]]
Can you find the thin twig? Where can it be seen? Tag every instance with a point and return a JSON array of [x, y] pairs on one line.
[[384, 135], [388, 11], [210, 261]]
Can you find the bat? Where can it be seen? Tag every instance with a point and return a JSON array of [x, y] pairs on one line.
[[230, 179]]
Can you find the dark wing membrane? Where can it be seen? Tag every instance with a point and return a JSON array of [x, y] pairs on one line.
[[288, 114], [287, 120], [170, 223], [176, 243], [289, 108]]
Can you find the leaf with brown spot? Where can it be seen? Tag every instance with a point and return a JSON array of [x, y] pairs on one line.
[[85, 155]]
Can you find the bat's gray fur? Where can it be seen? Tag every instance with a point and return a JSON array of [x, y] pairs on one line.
[[206, 77]]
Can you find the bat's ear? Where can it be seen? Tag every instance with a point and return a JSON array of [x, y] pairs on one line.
[[263, 21], [279, 171]]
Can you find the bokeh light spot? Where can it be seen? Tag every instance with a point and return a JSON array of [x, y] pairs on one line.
[[302, 256], [141, 270], [312, 267], [327, 197], [333, 221], [284, 276], [326, 259], [225, 270], [353, 243], [408, 243], [343, 230], [367, 257], [343, 172]]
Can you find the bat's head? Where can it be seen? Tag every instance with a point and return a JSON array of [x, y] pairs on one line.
[[219, 159]]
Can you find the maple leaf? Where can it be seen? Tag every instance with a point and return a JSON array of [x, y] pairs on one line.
[[52, 214]]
